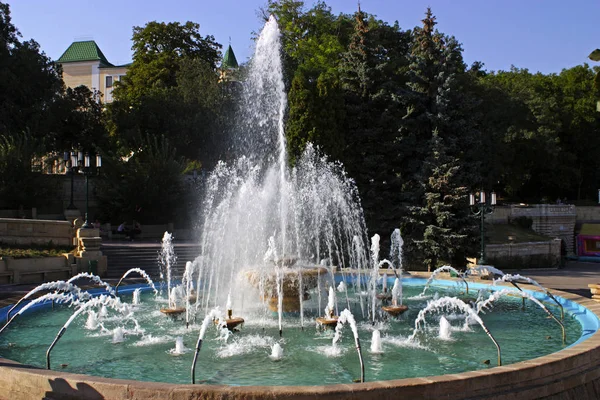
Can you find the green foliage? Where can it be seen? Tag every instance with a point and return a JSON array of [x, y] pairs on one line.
[[79, 118], [172, 89], [372, 77], [313, 41], [22, 184], [33, 251], [146, 186], [30, 83], [441, 130], [158, 48], [549, 139]]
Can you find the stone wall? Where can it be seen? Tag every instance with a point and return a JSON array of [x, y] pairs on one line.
[[35, 231], [553, 220], [529, 253], [588, 214], [37, 270]]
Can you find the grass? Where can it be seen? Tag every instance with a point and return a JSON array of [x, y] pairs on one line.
[[499, 234], [33, 251]]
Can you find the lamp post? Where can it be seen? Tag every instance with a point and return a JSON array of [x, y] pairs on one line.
[[479, 207], [79, 162], [70, 159], [87, 171]]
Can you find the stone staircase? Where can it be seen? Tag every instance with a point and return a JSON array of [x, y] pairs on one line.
[[121, 258]]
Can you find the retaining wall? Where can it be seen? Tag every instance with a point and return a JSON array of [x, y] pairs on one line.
[[35, 231], [548, 253]]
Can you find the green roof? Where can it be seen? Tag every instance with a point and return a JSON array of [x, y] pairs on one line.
[[229, 60], [83, 51]]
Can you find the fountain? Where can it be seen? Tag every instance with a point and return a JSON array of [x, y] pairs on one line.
[[273, 241], [397, 307], [329, 319]]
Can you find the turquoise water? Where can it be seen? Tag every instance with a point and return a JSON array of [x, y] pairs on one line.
[[309, 358]]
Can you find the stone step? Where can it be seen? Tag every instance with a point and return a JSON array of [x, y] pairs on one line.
[[122, 258]]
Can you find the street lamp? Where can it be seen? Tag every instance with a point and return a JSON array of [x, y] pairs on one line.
[[479, 207], [80, 162], [70, 159]]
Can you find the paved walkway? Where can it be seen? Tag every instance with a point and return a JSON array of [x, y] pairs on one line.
[[574, 278]]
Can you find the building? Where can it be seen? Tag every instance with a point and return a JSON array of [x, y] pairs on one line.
[[83, 63]]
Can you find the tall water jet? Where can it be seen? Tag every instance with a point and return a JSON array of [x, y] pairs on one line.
[[396, 250], [374, 273], [308, 213], [167, 260]]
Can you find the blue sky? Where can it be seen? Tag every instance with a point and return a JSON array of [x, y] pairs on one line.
[[541, 35]]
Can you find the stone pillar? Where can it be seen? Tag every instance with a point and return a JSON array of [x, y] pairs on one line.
[[72, 215], [88, 249]]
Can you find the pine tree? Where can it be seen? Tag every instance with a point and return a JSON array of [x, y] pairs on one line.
[[442, 133], [372, 79]]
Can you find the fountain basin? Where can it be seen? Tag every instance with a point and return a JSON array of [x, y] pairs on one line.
[[266, 282], [395, 310], [566, 373]]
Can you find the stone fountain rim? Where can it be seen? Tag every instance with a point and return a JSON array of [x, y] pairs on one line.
[[567, 369]]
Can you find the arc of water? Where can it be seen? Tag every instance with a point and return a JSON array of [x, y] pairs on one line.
[[142, 273], [390, 265], [454, 303], [57, 286], [114, 303], [94, 278], [444, 268], [214, 314], [346, 316], [512, 278], [55, 297], [496, 295]]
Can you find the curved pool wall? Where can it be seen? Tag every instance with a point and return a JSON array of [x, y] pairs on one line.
[[571, 373]]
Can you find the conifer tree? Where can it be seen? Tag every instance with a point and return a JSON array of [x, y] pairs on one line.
[[442, 167], [372, 79]]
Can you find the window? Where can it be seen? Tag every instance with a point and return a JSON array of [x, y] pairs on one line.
[[109, 81]]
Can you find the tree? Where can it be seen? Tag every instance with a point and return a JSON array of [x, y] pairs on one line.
[[440, 128], [29, 83], [147, 186], [78, 119], [161, 95], [373, 76], [21, 183], [313, 41]]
